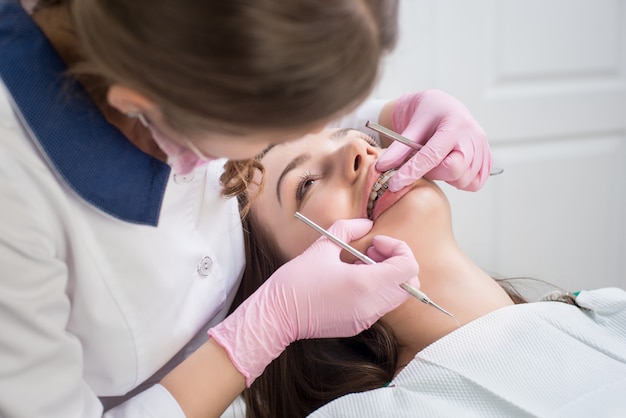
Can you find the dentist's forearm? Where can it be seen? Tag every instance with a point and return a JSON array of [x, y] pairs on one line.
[[206, 383]]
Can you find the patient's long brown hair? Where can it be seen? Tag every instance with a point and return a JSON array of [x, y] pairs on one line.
[[309, 373]]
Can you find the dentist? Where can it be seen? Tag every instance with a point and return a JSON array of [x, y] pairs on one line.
[[117, 250]]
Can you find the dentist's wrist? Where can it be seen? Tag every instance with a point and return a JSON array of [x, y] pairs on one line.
[[205, 383]]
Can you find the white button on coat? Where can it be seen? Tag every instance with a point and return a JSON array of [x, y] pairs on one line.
[[184, 178], [205, 266]]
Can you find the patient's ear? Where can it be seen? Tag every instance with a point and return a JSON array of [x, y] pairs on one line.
[[129, 101]]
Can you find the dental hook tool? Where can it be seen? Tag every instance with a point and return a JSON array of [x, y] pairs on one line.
[[397, 137], [410, 289]]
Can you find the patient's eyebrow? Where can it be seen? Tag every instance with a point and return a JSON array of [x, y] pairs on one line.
[[260, 155], [299, 160], [339, 134]]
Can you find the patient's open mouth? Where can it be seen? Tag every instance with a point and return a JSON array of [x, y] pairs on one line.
[[378, 189]]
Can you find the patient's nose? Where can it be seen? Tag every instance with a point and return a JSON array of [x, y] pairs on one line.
[[357, 156]]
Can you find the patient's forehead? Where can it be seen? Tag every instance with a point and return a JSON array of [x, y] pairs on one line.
[[275, 157]]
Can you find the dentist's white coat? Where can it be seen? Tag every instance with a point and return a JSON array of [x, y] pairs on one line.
[[98, 300]]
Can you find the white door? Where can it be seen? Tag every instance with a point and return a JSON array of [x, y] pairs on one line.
[[547, 81]]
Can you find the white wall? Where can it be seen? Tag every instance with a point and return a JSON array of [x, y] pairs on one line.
[[547, 81]]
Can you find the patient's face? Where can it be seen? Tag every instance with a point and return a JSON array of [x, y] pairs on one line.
[[326, 176], [323, 176]]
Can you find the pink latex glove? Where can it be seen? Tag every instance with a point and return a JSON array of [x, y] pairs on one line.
[[316, 295], [455, 149]]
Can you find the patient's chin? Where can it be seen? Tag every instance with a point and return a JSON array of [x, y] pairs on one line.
[[425, 207], [424, 199], [419, 218]]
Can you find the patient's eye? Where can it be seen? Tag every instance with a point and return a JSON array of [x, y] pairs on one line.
[[369, 139], [306, 181]]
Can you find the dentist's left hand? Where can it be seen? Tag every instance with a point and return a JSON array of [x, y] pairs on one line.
[[316, 295], [455, 147]]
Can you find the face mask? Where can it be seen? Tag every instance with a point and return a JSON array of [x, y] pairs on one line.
[[182, 159]]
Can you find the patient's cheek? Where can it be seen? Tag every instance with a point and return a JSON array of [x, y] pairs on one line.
[[298, 242]]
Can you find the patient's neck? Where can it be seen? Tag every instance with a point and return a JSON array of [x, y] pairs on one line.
[[455, 283]]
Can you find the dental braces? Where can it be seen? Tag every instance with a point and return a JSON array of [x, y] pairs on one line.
[[378, 189]]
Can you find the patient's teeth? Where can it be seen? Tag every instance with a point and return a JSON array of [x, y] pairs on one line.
[[378, 189]]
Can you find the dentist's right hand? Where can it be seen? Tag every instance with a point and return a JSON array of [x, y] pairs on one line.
[[316, 295]]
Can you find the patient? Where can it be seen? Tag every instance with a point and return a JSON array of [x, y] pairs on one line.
[[330, 176]]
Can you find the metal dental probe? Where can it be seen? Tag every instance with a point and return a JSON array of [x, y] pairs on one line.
[[421, 296], [397, 137]]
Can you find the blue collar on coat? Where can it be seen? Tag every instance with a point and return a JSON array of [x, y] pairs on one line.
[[92, 156]]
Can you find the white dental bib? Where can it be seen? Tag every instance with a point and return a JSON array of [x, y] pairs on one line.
[[530, 360]]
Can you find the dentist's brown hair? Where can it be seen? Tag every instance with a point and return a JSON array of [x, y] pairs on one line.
[[238, 66]]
